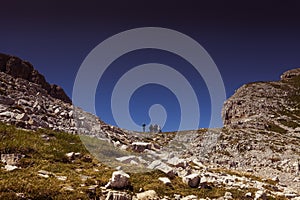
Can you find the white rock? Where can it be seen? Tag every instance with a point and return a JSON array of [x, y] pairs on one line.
[[192, 180], [7, 114], [259, 194], [157, 164], [199, 164], [71, 113], [70, 155], [114, 195], [276, 179], [126, 159], [24, 103], [248, 194], [133, 162], [84, 177], [177, 162], [56, 111], [44, 175], [22, 117], [61, 178], [228, 195], [11, 159], [147, 195], [165, 181], [140, 146], [190, 197], [119, 180], [10, 167], [68, 188]]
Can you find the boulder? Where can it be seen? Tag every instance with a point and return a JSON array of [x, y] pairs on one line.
[[127, 159], [119, 180], [22, 117], [114, 195], [140, 146], [147, 195], [11, 159], [157, 164], [10, 167], [177, 162], [72, 156], [192, 180], [248, 195], [45, 174], [165, 181], [260, 194], [228, 195], [7, 114]]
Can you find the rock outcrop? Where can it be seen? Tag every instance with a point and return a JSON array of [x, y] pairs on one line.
[[18, 68], [264, 105]]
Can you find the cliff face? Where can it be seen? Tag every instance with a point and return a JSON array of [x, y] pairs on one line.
[[18, 68], [265, 105]]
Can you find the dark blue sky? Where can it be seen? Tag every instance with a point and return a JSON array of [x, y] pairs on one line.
[[248, 42]]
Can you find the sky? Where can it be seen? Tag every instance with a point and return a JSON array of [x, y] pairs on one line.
[[247, 40]]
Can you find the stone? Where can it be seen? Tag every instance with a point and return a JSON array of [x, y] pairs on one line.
[[84, 177], [70, 155], [70, 114], [7, 114], [140, 146], [157, 164], [11, 159], [56, 111], [248, 194], [177, 162], [166, 181], [177, 196], [259, 194], [45, 174], [190, 197], [126, 159], [276, 179], [114, 195], [23, 102], [68, 188], [22, 117], [147, 195], [61, 178], [10, 167], [119, 180], [192, 180], [228, 195]]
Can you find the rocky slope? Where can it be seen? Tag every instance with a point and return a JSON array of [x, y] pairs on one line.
[[256, 155], [262, 105]]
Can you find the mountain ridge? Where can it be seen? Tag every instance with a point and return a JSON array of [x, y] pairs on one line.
[[19, 68]]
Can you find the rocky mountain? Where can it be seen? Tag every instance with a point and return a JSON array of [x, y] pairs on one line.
[[254, 156], [18, 68], [263, 105]]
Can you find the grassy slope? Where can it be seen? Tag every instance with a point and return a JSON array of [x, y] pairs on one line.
[[50, 156]]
